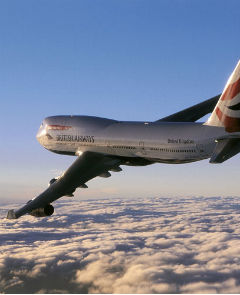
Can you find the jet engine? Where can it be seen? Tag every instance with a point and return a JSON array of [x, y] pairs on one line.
[[52, 181], [43, 212]]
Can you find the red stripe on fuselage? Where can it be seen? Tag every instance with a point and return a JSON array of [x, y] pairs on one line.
[[58, 127]]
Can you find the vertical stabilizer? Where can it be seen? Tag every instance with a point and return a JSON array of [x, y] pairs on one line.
[[227, 111]]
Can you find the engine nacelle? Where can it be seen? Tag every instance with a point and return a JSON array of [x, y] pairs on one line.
[[43, 212], [52, 181], [105, 174]]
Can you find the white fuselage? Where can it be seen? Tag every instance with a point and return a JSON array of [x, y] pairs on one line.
[[163, 142]]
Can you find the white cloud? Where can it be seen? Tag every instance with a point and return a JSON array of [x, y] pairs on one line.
[[155, 245]]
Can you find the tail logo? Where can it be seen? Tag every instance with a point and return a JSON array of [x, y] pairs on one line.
[[229, 114], [235, 107], [231, 91]]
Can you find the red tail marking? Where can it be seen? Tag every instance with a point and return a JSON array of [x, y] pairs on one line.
[[231, 124], [219, 114], [231, 91]]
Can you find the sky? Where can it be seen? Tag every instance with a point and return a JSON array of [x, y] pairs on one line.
[[145, 245], [123, 59]]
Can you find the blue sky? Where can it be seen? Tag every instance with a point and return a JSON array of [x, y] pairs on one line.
[[128, 60]]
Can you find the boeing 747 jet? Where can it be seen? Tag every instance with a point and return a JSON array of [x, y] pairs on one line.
[[103, 145]]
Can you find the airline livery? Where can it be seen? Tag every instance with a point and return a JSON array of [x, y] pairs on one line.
[[103, 145]]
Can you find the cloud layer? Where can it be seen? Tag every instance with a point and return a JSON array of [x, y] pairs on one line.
[[154, 245]]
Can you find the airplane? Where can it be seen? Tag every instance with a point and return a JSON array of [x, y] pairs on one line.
[[103, 145]]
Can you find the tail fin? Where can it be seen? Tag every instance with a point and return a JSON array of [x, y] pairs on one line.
[[227, 111]]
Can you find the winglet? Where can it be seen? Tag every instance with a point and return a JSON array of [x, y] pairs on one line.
[[11, 215]]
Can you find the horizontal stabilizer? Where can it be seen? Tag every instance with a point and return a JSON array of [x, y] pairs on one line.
[[225, 149]]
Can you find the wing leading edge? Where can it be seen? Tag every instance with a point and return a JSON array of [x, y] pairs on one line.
[[193, 113], [88, 166]]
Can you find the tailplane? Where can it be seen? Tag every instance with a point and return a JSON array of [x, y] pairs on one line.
[[227, 111]]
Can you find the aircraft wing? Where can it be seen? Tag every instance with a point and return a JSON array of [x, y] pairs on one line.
[[193, 113], [87, 166]]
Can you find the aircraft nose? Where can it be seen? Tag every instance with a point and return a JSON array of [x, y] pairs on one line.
[[41, 132], [38, 135]]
